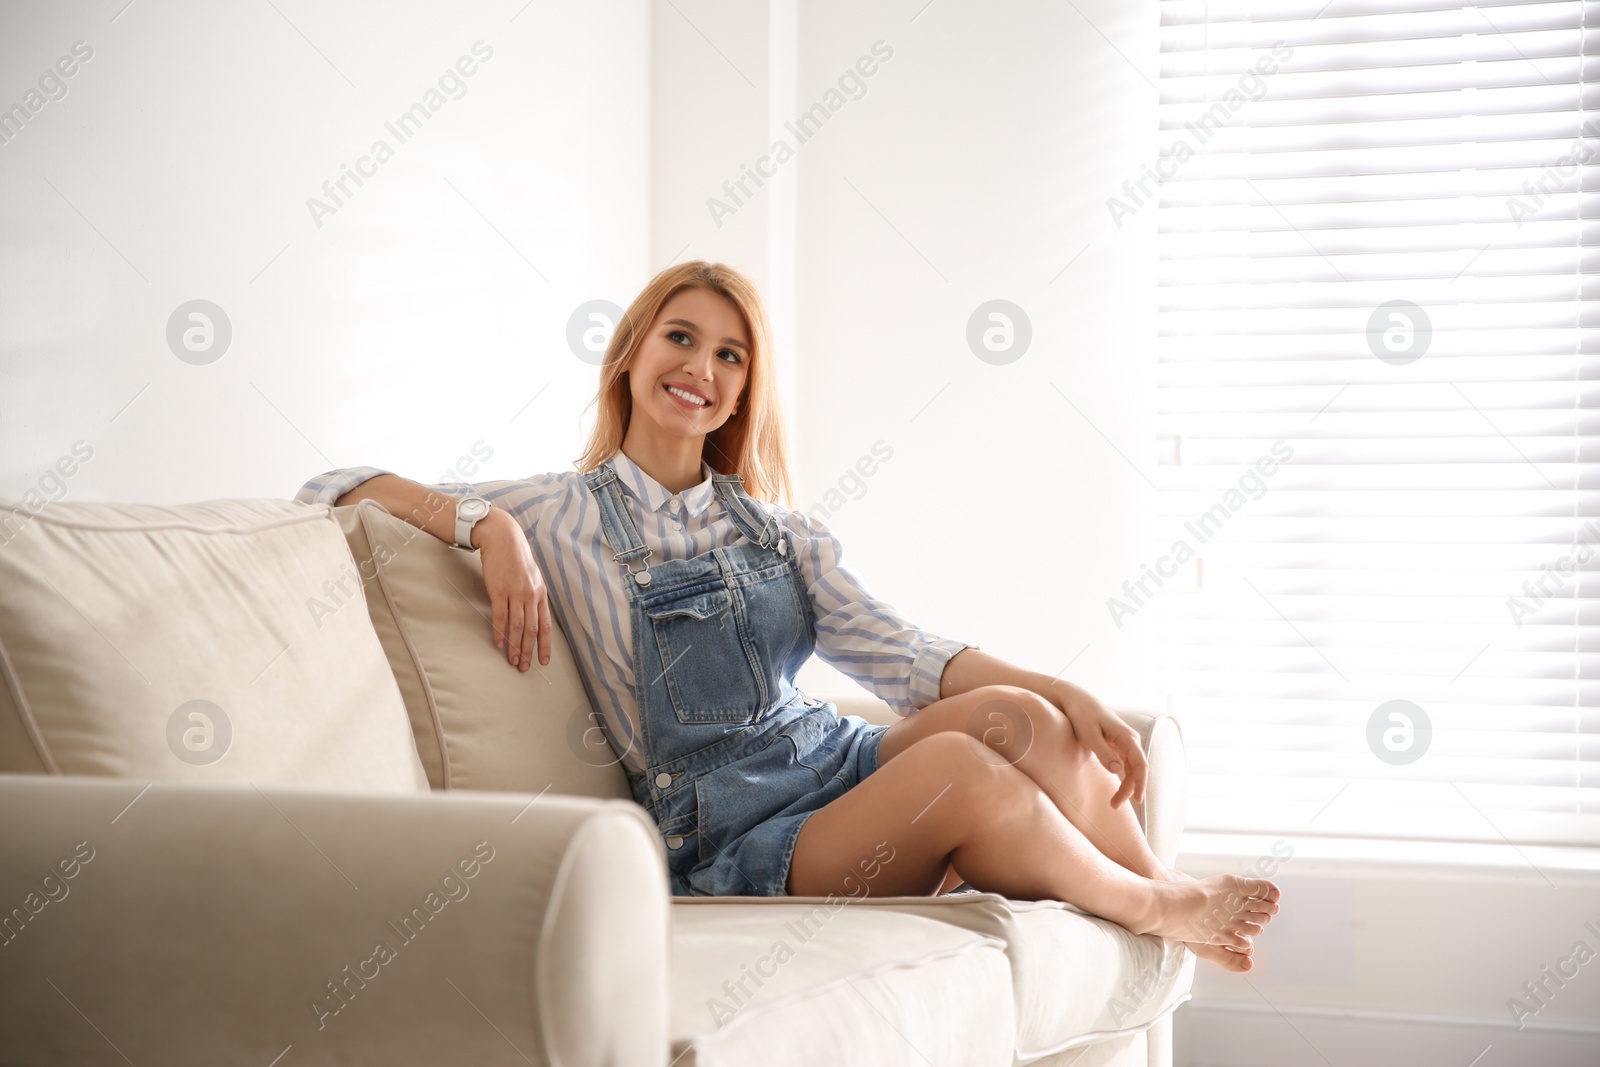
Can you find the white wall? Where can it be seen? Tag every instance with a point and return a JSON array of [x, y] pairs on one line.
[[722, 85], [418, 319], [972, 163], [975, 167]]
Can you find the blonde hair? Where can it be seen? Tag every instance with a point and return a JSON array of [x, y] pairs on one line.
[[753, 442]]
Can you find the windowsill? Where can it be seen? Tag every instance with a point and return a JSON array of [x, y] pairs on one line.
[[1538, 862]]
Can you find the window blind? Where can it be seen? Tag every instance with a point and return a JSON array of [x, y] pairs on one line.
[[1376, 572]]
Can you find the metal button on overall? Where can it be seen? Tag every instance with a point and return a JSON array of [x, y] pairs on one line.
[[663, 780]]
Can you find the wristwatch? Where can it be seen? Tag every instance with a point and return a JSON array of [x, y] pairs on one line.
[[469, 509]]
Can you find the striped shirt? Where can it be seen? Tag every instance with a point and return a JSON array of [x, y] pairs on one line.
[[860, 635]]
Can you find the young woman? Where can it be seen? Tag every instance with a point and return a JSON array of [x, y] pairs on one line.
[[691, 599]]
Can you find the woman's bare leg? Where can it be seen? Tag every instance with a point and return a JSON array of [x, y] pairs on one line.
[[1026, 730], [900, 829]]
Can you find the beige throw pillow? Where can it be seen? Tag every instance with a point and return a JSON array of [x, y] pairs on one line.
[[479, 722]]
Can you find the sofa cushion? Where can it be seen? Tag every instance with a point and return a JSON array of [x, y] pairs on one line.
[[479, 722], [829, 982], [175, 643], [1077, 979]]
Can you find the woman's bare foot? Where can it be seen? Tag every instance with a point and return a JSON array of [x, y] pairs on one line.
[[1231, 959], [1225, 909]]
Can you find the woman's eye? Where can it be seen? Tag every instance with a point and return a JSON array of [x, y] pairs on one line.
[[675, 334]]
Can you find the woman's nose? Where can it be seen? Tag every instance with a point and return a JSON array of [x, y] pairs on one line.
[[698, 364]]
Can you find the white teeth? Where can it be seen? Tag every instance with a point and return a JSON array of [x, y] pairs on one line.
[[688, 396]]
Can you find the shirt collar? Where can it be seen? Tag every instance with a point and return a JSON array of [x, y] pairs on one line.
[[653, 494]]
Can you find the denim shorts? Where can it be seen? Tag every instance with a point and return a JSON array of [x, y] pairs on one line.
[[732, 824]]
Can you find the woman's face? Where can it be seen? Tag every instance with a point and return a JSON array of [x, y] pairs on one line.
[[698, 344]]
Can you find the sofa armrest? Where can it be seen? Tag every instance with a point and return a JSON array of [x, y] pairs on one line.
[[1161, 815], [1167, 787], [190, 924]]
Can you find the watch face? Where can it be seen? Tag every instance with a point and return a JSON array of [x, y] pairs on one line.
[[472, 508]]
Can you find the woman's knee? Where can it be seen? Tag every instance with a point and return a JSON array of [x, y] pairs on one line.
[[1013, 721]]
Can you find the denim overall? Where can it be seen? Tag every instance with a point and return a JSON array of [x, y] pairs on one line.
[[736, 757]]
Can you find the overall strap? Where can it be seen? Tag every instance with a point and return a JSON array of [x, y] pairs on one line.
[[749, 514], [616, 521]]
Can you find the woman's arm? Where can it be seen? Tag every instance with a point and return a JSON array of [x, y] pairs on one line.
[[423, 507], [1114, 742], [516, 588]]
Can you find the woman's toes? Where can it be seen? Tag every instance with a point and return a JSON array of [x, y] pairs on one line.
[[1223, 910], [1257, 920], [1262, 889], [1268, 908], [1224, 957]]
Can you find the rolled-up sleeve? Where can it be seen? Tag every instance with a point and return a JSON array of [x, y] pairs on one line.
[[327, 488], [862, 636]]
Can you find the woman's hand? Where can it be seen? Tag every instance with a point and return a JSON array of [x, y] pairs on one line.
[[516, 589], [1114, 742]]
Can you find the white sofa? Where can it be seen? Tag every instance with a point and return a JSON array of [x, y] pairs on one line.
[[269, 795]]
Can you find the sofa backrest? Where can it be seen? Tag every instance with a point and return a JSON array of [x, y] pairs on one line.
[[177, 643], [478, 722]]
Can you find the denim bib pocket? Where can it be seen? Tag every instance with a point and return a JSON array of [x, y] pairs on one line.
[[704, 659]]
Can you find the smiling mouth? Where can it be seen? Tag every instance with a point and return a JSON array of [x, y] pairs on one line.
[[685, 399]]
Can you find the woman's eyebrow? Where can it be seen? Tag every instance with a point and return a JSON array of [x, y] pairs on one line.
[[696, 329]]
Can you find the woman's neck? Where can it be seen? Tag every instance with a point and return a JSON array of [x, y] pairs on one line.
[[675, 468]]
